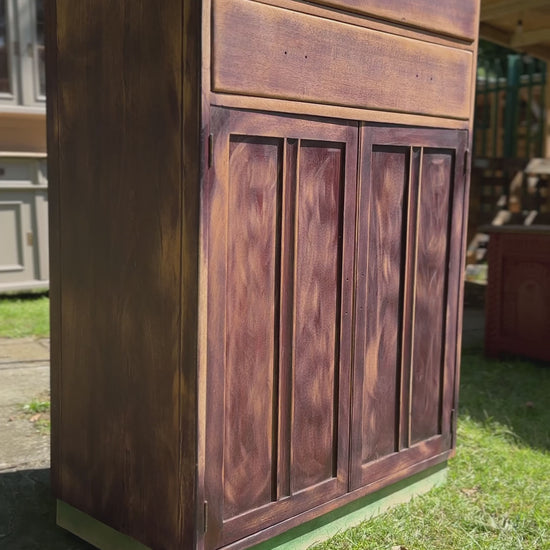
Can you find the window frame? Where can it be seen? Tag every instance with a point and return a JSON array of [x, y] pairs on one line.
[[11, 98], [23, 50]]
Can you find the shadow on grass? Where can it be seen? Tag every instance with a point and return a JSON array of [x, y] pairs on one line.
[[512, 392], [28, 296], [27, 514]]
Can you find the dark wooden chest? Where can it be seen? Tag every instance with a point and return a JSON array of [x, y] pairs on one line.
[[257, 232]]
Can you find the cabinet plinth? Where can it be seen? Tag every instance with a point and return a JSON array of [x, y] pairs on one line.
[[257, 220]]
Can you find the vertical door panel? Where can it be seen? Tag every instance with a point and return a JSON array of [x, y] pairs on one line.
[[280, 206], [408, 254], [316, 291], [436, 183], [253, 187], [384, 286]]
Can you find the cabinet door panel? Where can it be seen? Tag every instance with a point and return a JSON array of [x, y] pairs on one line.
[[252, 226], [383, 300], [408, 257], [427, 362], [280, 224], [316, 290]]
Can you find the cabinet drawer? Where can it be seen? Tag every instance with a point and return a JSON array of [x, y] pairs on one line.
[[16, 172], [265, 51], [444, 17]]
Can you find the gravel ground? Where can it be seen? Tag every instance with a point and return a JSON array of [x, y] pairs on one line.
[[27, 507]]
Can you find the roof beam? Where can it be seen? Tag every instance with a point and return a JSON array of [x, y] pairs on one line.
[[528, 38], [504, 38], [495, 35], [502, 8]]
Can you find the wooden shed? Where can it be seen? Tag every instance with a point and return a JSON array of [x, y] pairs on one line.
[[257, 235]]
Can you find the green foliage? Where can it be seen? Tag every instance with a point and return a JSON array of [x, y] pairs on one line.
[[24, 316], [37, 406], [498, 493], [38, 412]]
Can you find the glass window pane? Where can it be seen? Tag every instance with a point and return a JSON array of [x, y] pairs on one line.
[[40, 51], [5, 84]]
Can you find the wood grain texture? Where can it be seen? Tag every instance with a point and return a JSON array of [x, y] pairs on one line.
[[251, 315], [192, 149], [286, 319], [119, 175], [323, 10], [289, 55], [277, 241], [383, 323], [404, 309], [334, 111], [428, 360], [446, 17], [317, 290]]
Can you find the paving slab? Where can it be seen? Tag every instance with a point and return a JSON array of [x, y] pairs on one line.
[[27, 506]]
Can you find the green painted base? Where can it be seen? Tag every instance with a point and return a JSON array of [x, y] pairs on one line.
[[101, 536], [93, 531], [328, 525]]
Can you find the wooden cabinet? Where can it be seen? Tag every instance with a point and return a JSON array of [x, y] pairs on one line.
[[518, 292], [257, 321], [23, 222]]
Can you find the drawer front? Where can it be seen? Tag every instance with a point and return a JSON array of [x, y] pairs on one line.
[[444, 17], [16, 172], [265, 51]]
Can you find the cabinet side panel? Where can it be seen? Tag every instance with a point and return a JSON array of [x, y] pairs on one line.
[[252, 256], [390, 174], [317, 311], [120, 197], [436, 182]]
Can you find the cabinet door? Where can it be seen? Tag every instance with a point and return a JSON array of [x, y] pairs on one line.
[[408, 263], [280, 207]]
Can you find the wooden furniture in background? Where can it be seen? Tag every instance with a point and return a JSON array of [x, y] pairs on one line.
[[23, 222], [258, 226], [518, 291]]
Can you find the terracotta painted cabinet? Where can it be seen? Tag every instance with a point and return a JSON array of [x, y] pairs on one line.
[[518, 292], [257, 230]]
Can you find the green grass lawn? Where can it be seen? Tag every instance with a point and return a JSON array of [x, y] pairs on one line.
[[24, 316], [498, 493]]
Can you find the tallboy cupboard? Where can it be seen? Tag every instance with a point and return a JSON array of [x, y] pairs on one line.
[[257, 232]]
